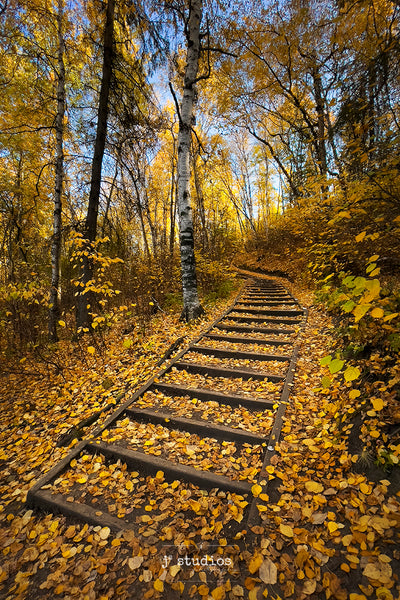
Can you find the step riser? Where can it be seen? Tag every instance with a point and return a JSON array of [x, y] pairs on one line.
[[262, 320], [245, 340], [220, 372], [199, 428], [150, 465], [210, 396], [256, 329], [237, 354], [270, 313]]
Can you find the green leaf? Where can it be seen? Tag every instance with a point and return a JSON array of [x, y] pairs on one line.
[[325, 361], [349, 281], [360, 282], [348, 306], [326, 382], [336, 365], [352, 373]]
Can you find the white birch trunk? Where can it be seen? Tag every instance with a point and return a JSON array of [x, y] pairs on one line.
[[191, 303], [59, 178]]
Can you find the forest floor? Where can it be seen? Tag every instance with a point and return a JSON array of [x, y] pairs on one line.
[[326, 531]]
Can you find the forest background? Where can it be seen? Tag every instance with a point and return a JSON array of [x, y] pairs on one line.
[[294, 165], [147, 150]]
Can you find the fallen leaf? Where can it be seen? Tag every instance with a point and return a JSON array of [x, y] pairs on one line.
[[268, 572]]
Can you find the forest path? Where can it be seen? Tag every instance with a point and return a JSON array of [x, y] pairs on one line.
[[239, 372], [322, 530]]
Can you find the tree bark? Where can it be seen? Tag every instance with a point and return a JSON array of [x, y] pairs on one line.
[[90, 230], [191, 304], [54, 312]]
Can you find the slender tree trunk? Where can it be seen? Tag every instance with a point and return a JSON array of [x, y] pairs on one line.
[[320, 140], [108, 203], [54, 312], [200, 204], [172, 206], [82, 311], [191, 304]]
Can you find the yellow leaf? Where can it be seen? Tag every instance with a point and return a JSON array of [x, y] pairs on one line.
[[255, 563], [361, 236], [332, 526], [286, 530], [91, 350], [256, 490], [345, 567], [314, 487], [360, 310], [253, 594], [82, 480], [354, 394], [377, 403], [160, 475], [390, 317], [218, 593], [174, 570], [61, 323], [104, 533], [365, 488], [203, 590], [159, 585], [377, 313], [195, 506]]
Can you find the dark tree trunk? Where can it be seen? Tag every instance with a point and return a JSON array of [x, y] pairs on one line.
[[54, 312], [82, 310]]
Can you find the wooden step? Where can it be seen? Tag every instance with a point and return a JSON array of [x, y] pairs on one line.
[[56, 503], [222, 353], [147, 464], [269, 312], [239, 339], [256, 319], [261, 303], [197, 426], [245, 328], [214, 371], [213, 396]]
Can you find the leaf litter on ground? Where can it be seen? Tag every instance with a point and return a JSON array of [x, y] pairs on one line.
[[325, 530]]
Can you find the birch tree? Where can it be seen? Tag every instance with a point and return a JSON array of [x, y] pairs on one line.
[[191, 304]]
